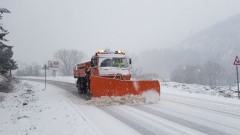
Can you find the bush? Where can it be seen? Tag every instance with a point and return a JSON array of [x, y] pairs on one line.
[[7, 83]]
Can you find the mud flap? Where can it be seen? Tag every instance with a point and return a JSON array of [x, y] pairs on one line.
[[102, 86]]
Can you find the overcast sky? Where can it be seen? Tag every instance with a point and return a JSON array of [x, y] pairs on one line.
[[38, 28]]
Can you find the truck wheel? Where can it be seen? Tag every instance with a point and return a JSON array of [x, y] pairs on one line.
[[80, 86], [84, 87], [88, 82]]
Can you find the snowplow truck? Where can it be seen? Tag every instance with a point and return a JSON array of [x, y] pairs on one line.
[[108, 74]]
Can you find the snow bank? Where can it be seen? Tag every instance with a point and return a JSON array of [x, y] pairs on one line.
[[148, 97], [218, 91]]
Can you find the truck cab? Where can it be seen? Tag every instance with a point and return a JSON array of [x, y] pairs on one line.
[[107, 64]]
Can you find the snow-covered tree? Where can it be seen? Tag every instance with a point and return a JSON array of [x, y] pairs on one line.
[[33, 69], [6, 53], [7, 64]]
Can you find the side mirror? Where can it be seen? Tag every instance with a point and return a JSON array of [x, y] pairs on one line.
[[92, 63], [130, 64]]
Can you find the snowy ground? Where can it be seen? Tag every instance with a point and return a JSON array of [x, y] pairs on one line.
[[33, 110], [60, 110], [218, 91]]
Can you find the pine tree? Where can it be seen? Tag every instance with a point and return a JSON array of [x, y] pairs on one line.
[[6, 53]]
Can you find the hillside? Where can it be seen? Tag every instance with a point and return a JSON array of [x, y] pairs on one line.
[[219, 43]]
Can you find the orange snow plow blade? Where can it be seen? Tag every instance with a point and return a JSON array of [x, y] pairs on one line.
[[103, 86]]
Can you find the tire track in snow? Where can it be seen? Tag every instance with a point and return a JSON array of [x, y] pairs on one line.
[[210, 104], [192, 125], [85, 118], [192, 115], [205, 108], [199, 99], [133, 124], [146, 123], [70, 87]]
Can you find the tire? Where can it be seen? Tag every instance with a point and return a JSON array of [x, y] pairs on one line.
[[88, 82], [81, 85]]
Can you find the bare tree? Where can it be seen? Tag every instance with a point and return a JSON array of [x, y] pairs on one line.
[[177, 75], [213, 73], [209, 73], [68, 59], [187, 74]]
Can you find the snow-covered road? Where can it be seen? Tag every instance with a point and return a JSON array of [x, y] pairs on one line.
[[174, 114]]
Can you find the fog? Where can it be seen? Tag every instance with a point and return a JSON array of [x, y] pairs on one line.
[[38, 28]]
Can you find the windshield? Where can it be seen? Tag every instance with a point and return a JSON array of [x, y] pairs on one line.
[[113, 62]]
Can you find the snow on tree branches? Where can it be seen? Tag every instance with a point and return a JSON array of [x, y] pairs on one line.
[[6, 53]]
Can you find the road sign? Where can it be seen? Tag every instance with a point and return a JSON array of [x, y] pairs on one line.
[[53, 65], [237, 61]]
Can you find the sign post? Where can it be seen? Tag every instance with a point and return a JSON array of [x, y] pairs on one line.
[[237, 62], [45, 68]]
